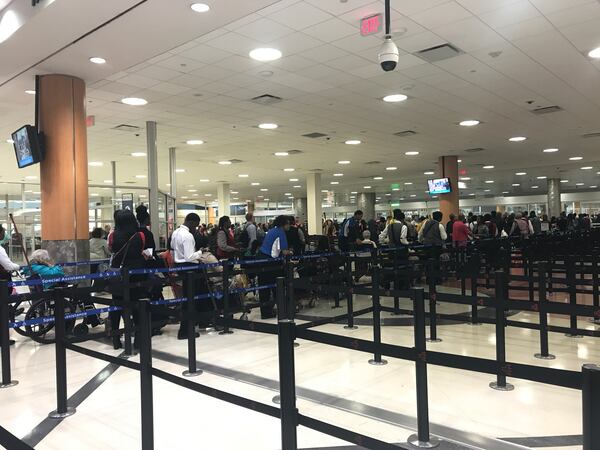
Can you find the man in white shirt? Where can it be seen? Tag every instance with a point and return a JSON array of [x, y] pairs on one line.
[[183, 243], [183, 246], [7, 265]]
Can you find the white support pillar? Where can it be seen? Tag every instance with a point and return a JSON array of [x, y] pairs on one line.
[[152, 152], [314, 210], [223, 194]]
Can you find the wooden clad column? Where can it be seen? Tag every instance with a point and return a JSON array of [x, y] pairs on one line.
[[64, 170], [448, 166]]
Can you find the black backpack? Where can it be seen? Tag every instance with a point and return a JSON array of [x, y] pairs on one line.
[[244, 238], [212, 241]]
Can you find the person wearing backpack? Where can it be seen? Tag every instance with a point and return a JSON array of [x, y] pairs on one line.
[[248, 236], [397, 230], [433, 232], [350, 233], [521, 227], [481, 230]]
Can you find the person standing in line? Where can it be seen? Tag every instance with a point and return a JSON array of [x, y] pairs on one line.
[[251, 231], [183, 246], [460, 232], [274, 245], [143, 219], [350, 232], [449, 226], [536, 223], [98, 249], [226, 248], [6, 267]]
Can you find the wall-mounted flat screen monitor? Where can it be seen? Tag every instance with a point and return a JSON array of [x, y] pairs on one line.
[[439, 186], [27, 146]]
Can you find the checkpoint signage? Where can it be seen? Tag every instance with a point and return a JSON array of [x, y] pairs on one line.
[[127, 200], [371, 24]]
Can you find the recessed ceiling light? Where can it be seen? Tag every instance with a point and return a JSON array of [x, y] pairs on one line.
[[461, 178], [255, 184], [208, 195], [225, 163], [268, 126], [31, 177], [192, 190], [335, 182], [10, 141], [579, 184], [516, 184], [388, 195], [394, 98], [134, 101], [542, 178], [97, 60], [30, 92], [180, 170], [353, 142], [462, 185], [194, 142], [469, 123], [354, 192], [459, 160], [489, 181], [413, 153], [264, 190], [378, 178], [366, 187], [517, 139], [591, 187], [338, 174], [594, 53], [140, 176], [343, 162], [324, 191], [429, 172], [289, 169], [200, 7], [488, 167], [472, 193], [395, 189], [265, 54], [297, 187], [413, 195], [408, 183], [243, 175], [575, 158], [138, 154], [95, 163], [486, 190], [281, 154], [550, 150], [391, 168], [587, 168], [204, 180], [505, 192], [534, 187], [564, 181], [521, 173]]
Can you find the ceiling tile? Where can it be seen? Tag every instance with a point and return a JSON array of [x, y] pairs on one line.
[[441, 15], [264, 30], [331, 30], [300, 16]]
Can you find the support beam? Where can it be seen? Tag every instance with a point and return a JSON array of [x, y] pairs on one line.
[[554, 202], [152, 151], [223, 194], [449, 203], [314, 204]]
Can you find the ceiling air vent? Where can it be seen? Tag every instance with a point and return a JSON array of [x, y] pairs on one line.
[[128, 128], [474, 150], [266, 99], [438, 53], [590, 135], [314, 135], [316, 170], [235, 161], [371, 163], [405, 133], [294, 152], [547, 110]]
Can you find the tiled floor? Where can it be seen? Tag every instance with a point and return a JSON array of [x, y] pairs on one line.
[[334, 385]]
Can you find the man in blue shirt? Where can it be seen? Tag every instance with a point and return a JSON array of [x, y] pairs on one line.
[[274, 245], [350, 234]]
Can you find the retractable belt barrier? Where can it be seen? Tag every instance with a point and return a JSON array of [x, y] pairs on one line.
[[287, 331]]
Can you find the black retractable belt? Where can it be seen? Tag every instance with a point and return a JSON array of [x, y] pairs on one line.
[[501, 299], [62, 409], [5, 337]]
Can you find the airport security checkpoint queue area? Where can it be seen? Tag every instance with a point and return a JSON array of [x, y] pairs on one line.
[[300, 224]]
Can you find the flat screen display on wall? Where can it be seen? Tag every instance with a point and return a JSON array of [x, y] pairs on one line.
[[27, 146], [439, 186]]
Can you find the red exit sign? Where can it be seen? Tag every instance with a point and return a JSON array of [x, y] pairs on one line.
[[371, 24]]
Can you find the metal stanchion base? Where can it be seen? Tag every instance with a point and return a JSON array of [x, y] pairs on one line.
[[508, 387], [56, 415], [189, 374], [9, 384], [548, 356], [124, 356], [476, 324], [276, 399], [574, 336], [353, 327], [225, 332], [433, 340], [414, 441], [374, 362]]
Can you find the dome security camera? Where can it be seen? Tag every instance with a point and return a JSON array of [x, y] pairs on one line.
[[388, 54]]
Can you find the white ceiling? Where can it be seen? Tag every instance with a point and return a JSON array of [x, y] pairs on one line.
[[518, 55]]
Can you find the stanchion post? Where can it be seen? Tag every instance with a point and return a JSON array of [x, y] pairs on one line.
[[590, 396], [572, 288], [126, 311], [431, 280], [62, 409], [542, 300], [287, 375], [396, 282], [422, 439], [375, 279], [349, 296], [474, 278], [289, 289], [189, 286], [595, 290], [7, 380], [500, 384], [226, 305], [530, 279], [147, 403]]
